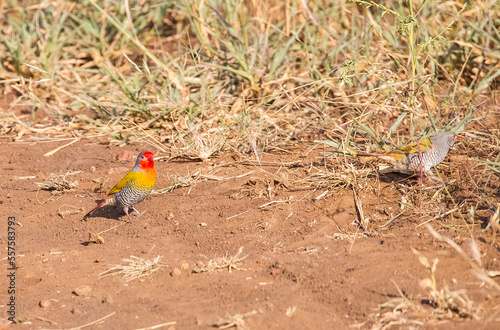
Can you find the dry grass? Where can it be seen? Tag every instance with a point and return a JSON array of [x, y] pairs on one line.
[[189, 85], [187, 74], [202, 146], [219, 263], [59, 182], [441, 303], [179, 181], [341, 175], [134, 268], [236, 320], [290, 311], [445, 302]]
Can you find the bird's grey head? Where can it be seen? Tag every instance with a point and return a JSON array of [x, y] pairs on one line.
[[445, 140], [138, 161], [142, 156]]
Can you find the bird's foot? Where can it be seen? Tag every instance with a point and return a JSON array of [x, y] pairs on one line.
[[128, 215], [139, 214], [434, 179]]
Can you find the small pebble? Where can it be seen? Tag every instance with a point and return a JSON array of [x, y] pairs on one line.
[[44, 303], [109, 299], [125, 155], [175, 272], [276, 271], [82, 290]]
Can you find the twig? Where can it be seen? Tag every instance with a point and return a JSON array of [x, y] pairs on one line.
[[273, 202], [481, 272], [237, 215], [438, 217], [50, 153], [158, 326], [88, 324]]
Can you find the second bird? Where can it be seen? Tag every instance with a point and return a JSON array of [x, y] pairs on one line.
[[134, 187], [421, 155]]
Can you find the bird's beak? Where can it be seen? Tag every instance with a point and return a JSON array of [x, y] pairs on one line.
[[458, 138]]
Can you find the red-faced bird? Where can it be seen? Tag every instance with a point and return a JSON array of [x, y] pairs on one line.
[[134, 187]]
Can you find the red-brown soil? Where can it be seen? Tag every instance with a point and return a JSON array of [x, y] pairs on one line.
[[294, 259]]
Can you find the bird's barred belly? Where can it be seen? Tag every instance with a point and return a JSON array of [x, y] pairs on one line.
[[129, 196], [426, 160]]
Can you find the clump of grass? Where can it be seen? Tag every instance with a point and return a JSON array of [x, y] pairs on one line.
[[59, 182], [202, 146], [445, 302], [474, 261], [219, 263], [236, 320], [441, 302], [341, 175], [180, 181], [134, 268]]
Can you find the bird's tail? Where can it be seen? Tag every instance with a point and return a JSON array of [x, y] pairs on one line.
[[367, 156], [109, 200], [372, 154]]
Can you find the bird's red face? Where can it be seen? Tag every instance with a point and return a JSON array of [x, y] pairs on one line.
[[147, 160]]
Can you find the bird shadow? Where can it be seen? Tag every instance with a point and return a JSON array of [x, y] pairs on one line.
[[411, 180], [108, 212], [395, 177]]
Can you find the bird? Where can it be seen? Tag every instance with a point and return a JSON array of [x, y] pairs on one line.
[[134, 187], [421, 155]]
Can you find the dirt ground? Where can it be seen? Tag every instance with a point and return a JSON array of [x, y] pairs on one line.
[[308, 265]]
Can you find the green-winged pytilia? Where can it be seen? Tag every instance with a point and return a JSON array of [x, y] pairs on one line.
[[134, 187], [419, 156]]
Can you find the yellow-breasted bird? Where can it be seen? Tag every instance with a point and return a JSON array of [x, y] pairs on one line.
[[419, 156], [134, 187]]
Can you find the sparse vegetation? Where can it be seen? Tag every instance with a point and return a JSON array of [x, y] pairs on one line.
[[134, 268], [59, 182], [230, 321], [441, 303], [219, 263]]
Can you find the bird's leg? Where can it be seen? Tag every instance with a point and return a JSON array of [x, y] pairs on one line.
[[421, 167], [434, 179], [139, 213], [128, 215]]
